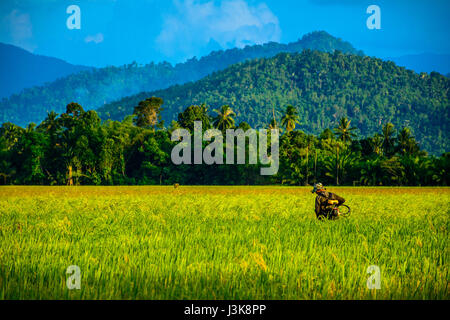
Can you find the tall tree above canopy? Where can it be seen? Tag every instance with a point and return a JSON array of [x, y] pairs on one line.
[[273, 123], [224, 119], [344, 131], [148, 112], [71, 118], [388, 138], [377, 144], [194, 113], [50, 123], [407, 144], [74, 109], [290, 118]]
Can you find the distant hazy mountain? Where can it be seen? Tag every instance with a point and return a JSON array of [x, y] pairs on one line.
[[20, 69], [93, 89], [425, 62]]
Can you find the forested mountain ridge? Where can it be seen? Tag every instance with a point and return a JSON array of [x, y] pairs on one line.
[[94, 88], [20, 69], [323, 87]]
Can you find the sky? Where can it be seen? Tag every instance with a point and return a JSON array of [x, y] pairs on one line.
[[117, 32]]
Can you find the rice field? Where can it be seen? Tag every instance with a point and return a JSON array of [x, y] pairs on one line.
[[221, 242]]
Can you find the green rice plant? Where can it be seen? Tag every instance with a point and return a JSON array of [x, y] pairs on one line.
[[221, 243]]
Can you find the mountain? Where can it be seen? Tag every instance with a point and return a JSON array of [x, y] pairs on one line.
[[323, 87], [20, 69], [94, 88], [425, 62]]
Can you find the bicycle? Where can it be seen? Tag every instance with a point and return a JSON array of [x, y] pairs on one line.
[[336, 211]]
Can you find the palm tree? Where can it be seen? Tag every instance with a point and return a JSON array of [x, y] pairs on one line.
[[404, 136], [224, 119], [393, 170], [406, 142], [290, 119], [11, 133], [344, 131], [339, 161], [309, 143], [377, 144], [50, 123], [388, 139], [273, 125], [371, 172]]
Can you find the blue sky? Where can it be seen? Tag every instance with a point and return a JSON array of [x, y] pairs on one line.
[[116, 32]]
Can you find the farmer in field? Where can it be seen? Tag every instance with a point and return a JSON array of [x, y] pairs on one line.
[[325, 201]]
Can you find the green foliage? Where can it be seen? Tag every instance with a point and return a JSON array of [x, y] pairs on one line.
[[187, 118], [388, 139], [148, 113], [290, 118], [224, 119], [75, 148], [324, 87], [344, 131]]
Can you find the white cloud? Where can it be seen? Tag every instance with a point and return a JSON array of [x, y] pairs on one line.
[[20, 29], [97, 38], [230, 23]]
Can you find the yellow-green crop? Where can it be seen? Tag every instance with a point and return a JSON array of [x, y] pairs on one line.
[[221, 243]]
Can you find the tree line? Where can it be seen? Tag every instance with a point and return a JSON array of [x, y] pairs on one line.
[[77, 148]]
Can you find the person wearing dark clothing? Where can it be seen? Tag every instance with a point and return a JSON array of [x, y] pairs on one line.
[[325, 200]]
